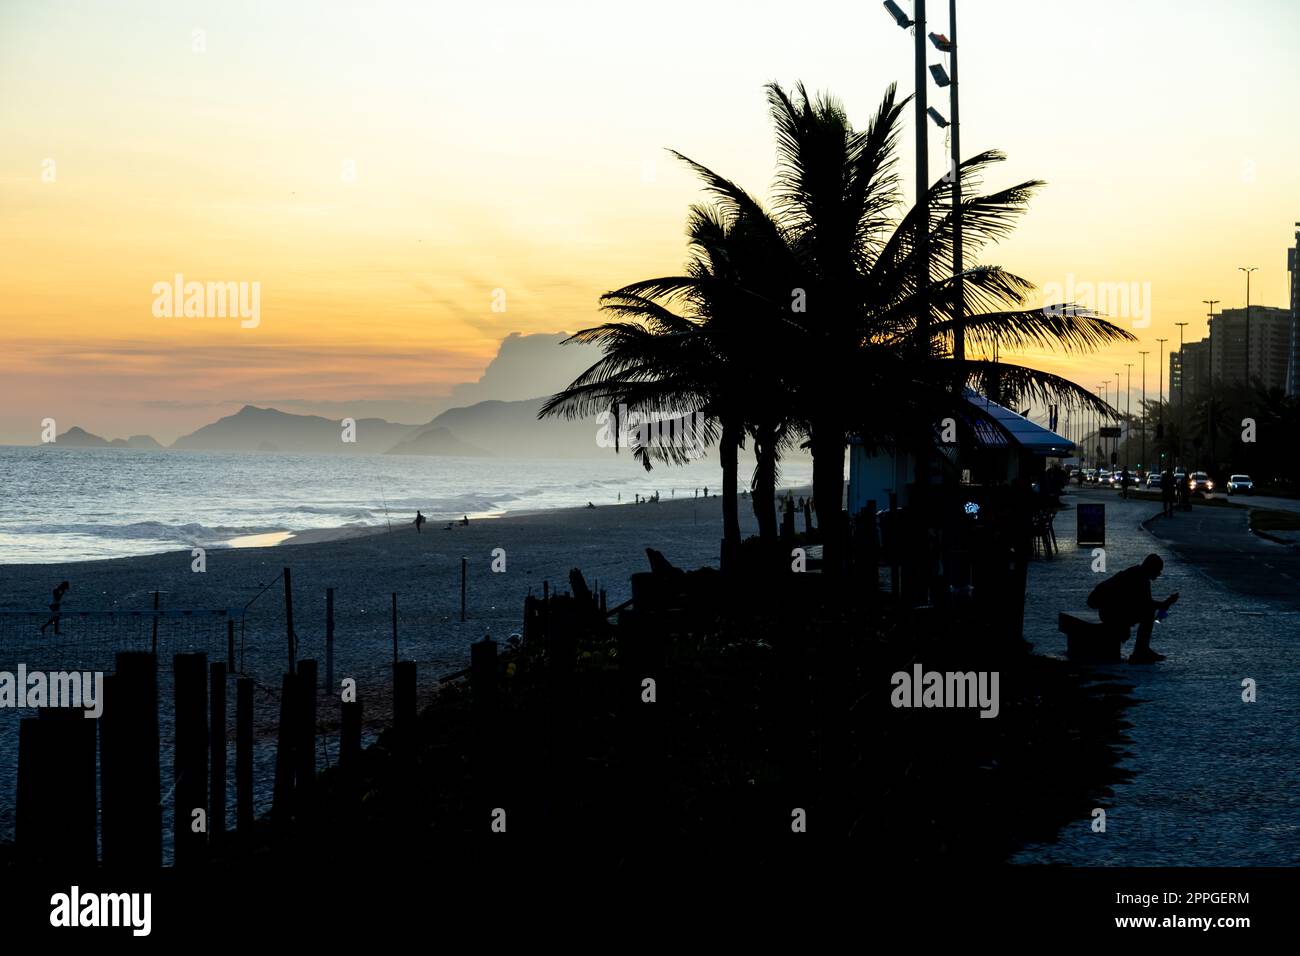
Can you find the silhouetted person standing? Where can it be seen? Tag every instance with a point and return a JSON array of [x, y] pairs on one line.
[[1167, 493], [55, 603], [420, 519], [1125, 599]]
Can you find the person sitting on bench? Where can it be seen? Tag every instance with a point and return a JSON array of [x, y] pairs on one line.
[[1125, 599]]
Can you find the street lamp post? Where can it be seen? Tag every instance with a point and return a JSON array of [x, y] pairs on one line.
[[922, 181], [1209, 334], [949, 45], [1182, 389], [1160, 390], [1248, 271], [1128, 411], [1144, 404], [1210, 408], [1116, 446]]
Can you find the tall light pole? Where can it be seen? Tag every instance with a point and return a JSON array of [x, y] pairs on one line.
[[1160, 390], [1128, 412], [1209, 334], [1116, 447], [949, 45], [1105, 397], [1248, 271], [1210, 407], [1182, 389], [1144, 405], [959, 334]]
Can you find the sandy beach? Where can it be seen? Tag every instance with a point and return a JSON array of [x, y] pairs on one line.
[[607, 543], [365, 569]]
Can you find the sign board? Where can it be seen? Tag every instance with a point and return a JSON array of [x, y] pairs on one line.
[[1090, 524], [1109, 431]]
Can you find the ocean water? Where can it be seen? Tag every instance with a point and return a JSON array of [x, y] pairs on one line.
[[73, 504]]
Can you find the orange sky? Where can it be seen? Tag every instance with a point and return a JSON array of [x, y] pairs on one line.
[[381, 168]]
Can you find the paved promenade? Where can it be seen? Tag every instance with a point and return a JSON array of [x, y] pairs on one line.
[[1217, 780]]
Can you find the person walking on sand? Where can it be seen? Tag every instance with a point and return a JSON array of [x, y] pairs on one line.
[[420, 519], [57, 600], [1125, 599], [464, 521]]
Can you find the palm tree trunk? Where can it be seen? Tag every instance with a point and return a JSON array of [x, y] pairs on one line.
[[827, 446], [765, 484], [728, 445]]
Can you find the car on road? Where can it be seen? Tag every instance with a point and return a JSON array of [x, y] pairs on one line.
[[1200, 483], [1240, 483], [1153, 479]]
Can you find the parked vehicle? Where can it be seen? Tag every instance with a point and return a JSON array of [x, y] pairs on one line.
[[1153, 479], [1240, 483]]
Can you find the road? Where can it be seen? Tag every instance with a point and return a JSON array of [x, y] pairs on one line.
[[1219, 544]]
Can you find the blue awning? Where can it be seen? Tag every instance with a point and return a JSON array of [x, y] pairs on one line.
[[1012, 428]]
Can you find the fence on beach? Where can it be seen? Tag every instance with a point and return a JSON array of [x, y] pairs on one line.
[[163, 713]]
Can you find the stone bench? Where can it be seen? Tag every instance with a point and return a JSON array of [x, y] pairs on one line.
[[1088, 640]]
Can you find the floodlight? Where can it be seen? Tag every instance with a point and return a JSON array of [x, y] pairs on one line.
[[940, 74], [941, 42], [899, 16], [937, 117]]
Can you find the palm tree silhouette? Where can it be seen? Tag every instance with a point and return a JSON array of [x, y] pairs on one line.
[[807, 320]]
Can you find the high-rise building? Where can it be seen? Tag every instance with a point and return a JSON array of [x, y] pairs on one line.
[[1270, 345], [1191, 371], [1293, 266]]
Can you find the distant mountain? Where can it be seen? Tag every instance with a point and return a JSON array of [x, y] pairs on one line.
[[77, 437], [268, 429], [435, 440], [511, 430], [136, 441]]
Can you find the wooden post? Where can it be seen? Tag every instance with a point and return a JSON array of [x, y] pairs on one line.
[[130, 778], [305, 747], [483, 674], [230, 645], [244, 757], [282, 795], [463, 564], [894, 536], [31, 811], [56, 806], [190, 766], [288, 617], [484, 763], [404, 673], [394, 628], [350, 744], [217, 781], [329, 639]]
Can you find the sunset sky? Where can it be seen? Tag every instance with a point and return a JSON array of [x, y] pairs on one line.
[[381, 168]]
